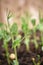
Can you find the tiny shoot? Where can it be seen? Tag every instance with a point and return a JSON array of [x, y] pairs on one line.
[[26, 30]]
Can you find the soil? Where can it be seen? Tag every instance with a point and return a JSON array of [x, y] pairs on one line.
[[24, 56]]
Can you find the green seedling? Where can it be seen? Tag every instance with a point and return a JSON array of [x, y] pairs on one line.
[[26, 30], [13, 31], [40, 27], [5, 36], [16, 42], [33, 21], [5, 46]]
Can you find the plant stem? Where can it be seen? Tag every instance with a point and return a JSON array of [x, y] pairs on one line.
[[35, 42], [27, 42], [7, 53], [17, 63]]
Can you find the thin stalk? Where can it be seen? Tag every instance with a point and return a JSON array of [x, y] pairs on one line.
[[35, 42], [17, 63], [27, 42], [7, 53]]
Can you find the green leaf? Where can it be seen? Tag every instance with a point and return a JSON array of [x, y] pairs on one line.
[[25, 28], [7, 38], [40, 27], [5, 35], [24, 25], [14, 29], [16, 42], [41, 20], [33, 21]]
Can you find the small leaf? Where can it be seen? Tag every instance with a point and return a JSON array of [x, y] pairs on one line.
[[41, 20], [7, 38], [33, 22], [14, 29], [24, 26], [40, 27], [16, 42], [6, 35]]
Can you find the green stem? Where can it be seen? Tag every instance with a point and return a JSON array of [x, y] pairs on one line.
[[7, 53], [16, 56], [27, 42], [35, 42]]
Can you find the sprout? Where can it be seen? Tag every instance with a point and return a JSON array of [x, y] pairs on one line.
[[26, 29], [13, 31], [33, 21], [6, 37], [40, 28]]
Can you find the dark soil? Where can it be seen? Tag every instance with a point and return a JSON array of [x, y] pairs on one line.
[[24, 56]]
